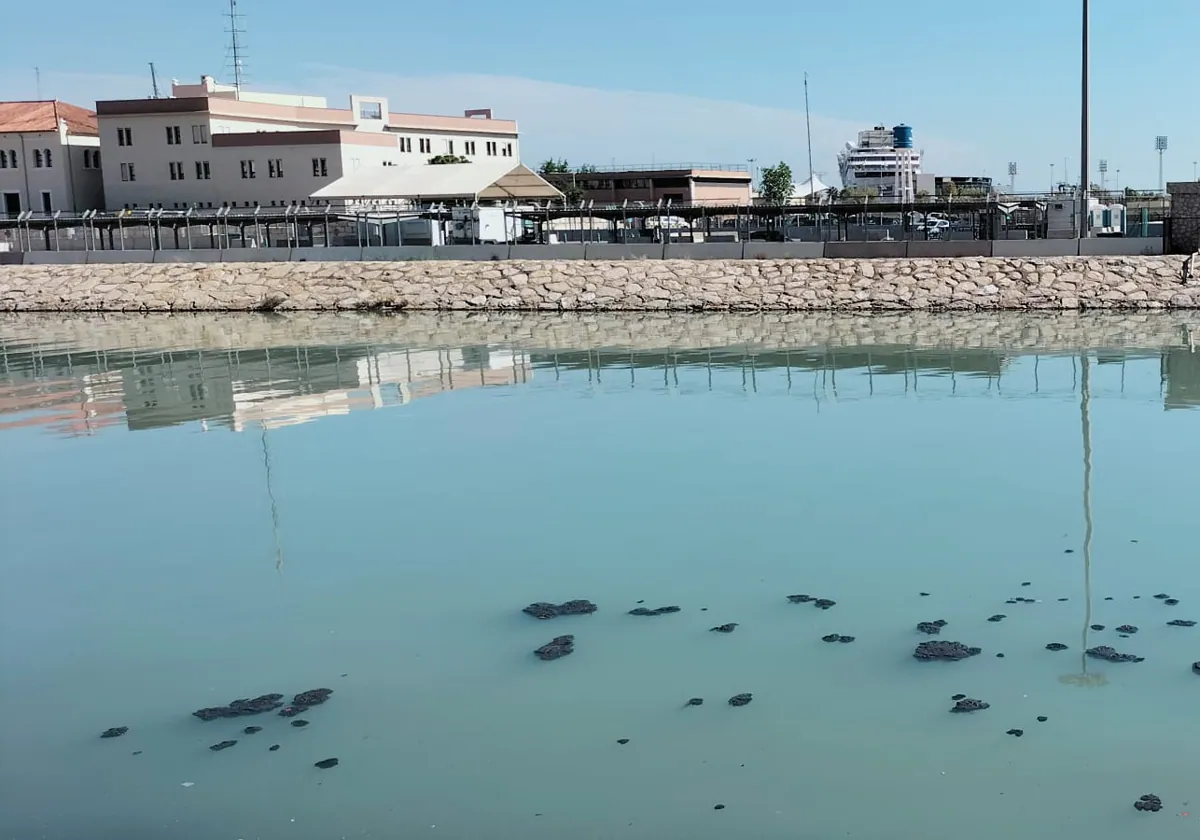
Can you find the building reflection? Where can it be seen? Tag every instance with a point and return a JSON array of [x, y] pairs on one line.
[[70, 392]]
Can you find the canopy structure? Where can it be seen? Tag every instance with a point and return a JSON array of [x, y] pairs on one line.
[[480, 181], [809, 187]]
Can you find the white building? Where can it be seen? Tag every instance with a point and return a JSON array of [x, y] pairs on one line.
[[874, 161], [49, 158], [211, 145]]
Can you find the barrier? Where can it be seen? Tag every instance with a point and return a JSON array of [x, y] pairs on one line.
[[1035, 248], [618, 251], [471, 253], [936, 248], [51, 257], [194, 256], [704, 251], [866, 250], [1130, 246], [118, 257], [338, 253], [565, 251]]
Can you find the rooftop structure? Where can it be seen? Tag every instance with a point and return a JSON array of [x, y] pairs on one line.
[[213, 145], [49, 158], [682, 183]]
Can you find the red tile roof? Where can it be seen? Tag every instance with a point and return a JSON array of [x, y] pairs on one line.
[[44, 116]]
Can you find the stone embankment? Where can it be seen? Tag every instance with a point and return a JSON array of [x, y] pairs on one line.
[[1064, 283]]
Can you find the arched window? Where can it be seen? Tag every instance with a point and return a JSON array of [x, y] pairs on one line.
[[37, 158], [49, 160]]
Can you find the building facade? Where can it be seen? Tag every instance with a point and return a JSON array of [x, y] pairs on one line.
[[212, 145], [49, 158], [708, 184]]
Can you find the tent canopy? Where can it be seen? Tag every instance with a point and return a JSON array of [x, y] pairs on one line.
[[488, 180], [808, 187]]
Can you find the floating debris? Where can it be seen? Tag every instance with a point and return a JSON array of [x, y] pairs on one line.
[[273, 747], [997, 617], [718, 807], [1170, 602], [1056, 646], [622, 741], [999, 655], [1068, 551], [1015, 732], [800, 599], [658, 611], [250, 730], [1181, 622], [224, 745], [958, 697], [923, 594], [326, 763], [242, 707], [970, 704], [299, 722], [948, 651], [1196, 667], [1097, 626], [740, 699], [1027, 583], [724, 628], [1042, 718], [695, 701], [556, 648], [1127, 629], [1105, 652], [1149, 802], [542, 610], [1162, 596], [1064, 599], [114, 732]]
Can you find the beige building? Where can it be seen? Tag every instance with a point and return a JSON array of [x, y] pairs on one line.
[[211, 145], [49, 158], [708, 184]]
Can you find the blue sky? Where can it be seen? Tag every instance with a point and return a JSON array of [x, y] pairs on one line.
[[633, 81]]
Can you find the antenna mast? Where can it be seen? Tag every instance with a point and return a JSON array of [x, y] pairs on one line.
[[154, 82], [236, 53]]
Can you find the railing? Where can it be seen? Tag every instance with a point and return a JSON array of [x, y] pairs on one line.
[[662, 167]]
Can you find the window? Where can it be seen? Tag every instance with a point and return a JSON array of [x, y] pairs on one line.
[[406, 144], [3, 159], [37, 158], [248, 170], [49, 159], [199, 134], [203, 173], [468, 147], [124, 136], [47, 202], [449, 147], [320, 170], [370, 110], [490, 148], [91, 159], [127, 172], [176, 168], [508, 150], [425, 145], [275, 168], [173, 135]]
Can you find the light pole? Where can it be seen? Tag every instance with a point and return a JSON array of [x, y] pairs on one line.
[[1052, 179], [1160, 146], [1083, 132], [1103, 174], [1012, 176]]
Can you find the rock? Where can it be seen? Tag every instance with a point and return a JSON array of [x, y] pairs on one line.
[[1127, 629], [718, 807], [1162, 596], [1196, 667], [1015, 732], [695, 701], [1027, 583], [242, 707], [622, 741], [845, 639], [136, 752], [1170, 602], [1097, 626], [724, 628], [312, 697], [1011, 601], [999, 655], [740, 699], [923, 594], [832, 637], [970, 704], [292, 711], [114, 732], [542, 610], [1056, 646], [1109, 598], [224, 745], [800, 599], [1068, 551], [997, 617], [931, 628], [250, 730], [1107, 653], [1149, 802], [1042, 718], [958, 697], [823, 603], [273, 747], [299, 722], [1181, 622], [948, 651], [556, 648], [326, 763], [1064, 599], [658, 611]]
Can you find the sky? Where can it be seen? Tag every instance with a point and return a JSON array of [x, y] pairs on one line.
[[637, 81]]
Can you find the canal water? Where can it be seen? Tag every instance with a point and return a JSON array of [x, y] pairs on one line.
[[204, 508]]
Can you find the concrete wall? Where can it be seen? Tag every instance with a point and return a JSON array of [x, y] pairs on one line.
[[153, 281], [1185, 217]]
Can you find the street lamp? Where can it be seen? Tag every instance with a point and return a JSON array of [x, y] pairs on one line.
[[1160, 146], [1012, 176], [1103, 173], [1083, 131]]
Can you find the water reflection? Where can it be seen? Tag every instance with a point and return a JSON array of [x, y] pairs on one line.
[[70, 388]]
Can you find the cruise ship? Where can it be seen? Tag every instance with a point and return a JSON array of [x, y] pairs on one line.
[[874, 161]]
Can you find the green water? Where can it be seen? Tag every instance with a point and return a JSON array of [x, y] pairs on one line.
[[366, 504]]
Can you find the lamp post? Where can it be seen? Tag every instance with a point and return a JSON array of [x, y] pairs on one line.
[[1083, 132], [1160, 146]]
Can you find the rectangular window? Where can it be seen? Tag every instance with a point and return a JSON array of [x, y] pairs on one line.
[[49, 159], [449, 147], [203, 173], [173, 135], [37, 158], [491, 148], [320, 170], [406, 144], [275, 168], [176, 168], [47, 202], [199, 134], [127, 172], [124, 136], [425, 145], [3, 159], [370, 110], [12, 159], [468, 147], [248, 170], [508, 150]]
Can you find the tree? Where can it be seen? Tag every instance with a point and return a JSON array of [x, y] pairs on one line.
[[860, 193], [437, 160], [833, 194], [559, 173], [775, 184]]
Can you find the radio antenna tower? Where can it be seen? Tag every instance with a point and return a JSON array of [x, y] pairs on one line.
[[236, 52]]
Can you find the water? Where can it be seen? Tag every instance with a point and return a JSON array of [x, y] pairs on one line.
[[365, 504]]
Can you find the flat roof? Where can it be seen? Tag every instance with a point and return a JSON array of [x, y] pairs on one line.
[[315, 137]]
